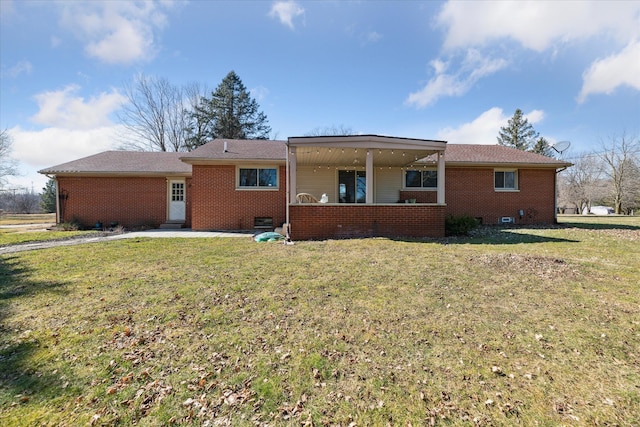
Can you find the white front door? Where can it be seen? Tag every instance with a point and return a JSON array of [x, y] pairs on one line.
[[177, 205]]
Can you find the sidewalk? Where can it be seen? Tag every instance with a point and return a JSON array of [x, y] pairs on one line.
[[181, 233]]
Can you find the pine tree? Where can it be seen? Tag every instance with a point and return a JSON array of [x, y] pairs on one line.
[[48, 197], [542, 147], [229, 113], [518, 133]]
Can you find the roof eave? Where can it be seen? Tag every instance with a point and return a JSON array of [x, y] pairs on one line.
[[508, 164], [115, 173], [205, 161]]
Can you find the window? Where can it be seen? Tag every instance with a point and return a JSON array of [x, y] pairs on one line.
[[257, 177], [506, 179], [421, 179], [177, 191], [352, 186]]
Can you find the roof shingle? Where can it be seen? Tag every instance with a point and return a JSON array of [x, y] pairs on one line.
[[158, 163], [124, 162]]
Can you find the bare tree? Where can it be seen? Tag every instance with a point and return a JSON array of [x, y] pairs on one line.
[[581, 184], [156, 117], [8, 166], [333, 130], [620, 155]]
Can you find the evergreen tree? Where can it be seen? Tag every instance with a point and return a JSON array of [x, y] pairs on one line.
[[518, 133], [229, 113], [48, 197], [542, 147]]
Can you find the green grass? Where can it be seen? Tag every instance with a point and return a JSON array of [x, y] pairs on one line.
[[535, 326], [7, 218], [13, 236]]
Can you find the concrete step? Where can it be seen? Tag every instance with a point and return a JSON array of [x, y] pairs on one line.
[[171, 225]]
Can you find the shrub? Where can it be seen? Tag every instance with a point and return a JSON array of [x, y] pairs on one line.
[[460, 225]]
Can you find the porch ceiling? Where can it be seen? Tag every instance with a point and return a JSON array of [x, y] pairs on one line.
[[351, 150], [350, 157]]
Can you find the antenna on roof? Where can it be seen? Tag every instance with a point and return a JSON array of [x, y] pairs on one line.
[[226, 150], [561, 146]]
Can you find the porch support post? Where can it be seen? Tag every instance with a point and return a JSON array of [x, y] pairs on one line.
[[369, 172], [292, 174], [441, 200]]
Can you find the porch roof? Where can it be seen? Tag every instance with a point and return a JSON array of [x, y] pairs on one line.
[[352, 150]]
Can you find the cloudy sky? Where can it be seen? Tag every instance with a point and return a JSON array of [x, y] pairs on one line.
[[435, 70]]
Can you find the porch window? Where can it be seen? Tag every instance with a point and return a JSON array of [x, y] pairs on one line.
[[258, 178], [421, 179], [506, 179], [352, 186]]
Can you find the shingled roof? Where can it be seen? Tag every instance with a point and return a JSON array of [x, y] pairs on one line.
[[477, 155], [237, 149], [124, 163], [163, 163]]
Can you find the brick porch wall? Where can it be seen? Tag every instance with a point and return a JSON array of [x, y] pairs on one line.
[[129, 201], [217, 205], [471, 191], [345, 221]]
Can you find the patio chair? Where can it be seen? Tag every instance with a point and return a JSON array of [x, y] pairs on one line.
[[305, 198]]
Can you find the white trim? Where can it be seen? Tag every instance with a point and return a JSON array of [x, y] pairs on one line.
[[257, 167], [516, 180]]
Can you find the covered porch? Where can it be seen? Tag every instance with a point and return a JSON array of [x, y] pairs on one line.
[[365, 185]]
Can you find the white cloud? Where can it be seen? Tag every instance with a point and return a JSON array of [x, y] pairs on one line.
[[52, 146], [63, 109], [116, 32], [536, 25], [605, 75], [285, 11], [75, 128], [21, 67], [371, 37], [259, 93], [483, 129], [473, 67], [546, 26]]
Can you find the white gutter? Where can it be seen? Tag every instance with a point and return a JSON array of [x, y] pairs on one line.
[[287, 226]]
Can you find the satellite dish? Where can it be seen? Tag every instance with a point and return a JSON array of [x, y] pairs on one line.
[[561, 146]]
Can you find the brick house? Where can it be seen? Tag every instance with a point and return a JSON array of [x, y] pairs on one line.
[[321, 187]]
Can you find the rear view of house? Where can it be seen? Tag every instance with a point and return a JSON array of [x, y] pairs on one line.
[[319, 187]]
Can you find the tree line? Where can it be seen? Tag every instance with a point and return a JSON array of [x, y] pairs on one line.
[[160, 116], [609, 176]]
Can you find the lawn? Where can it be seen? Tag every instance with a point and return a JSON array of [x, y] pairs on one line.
[[529, 326]]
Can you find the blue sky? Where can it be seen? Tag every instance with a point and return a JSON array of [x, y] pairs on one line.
[[435, 70]]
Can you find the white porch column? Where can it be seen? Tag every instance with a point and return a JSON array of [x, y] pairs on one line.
[[440, 199], [292, 175], [369, 172]]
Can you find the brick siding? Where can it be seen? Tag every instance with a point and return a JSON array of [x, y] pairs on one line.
[[471, 191], [344, 221], [130, 201], [218, 205]]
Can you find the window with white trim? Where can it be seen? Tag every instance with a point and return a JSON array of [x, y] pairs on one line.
[[257, 178], [506, 179], [421, 178]]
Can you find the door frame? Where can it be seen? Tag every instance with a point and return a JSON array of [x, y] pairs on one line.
[[170, 182]]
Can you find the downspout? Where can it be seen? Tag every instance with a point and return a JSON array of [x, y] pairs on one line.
[[287, 234]]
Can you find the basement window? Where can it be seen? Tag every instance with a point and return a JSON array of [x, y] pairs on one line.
[[506, 179], [258, 178]]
